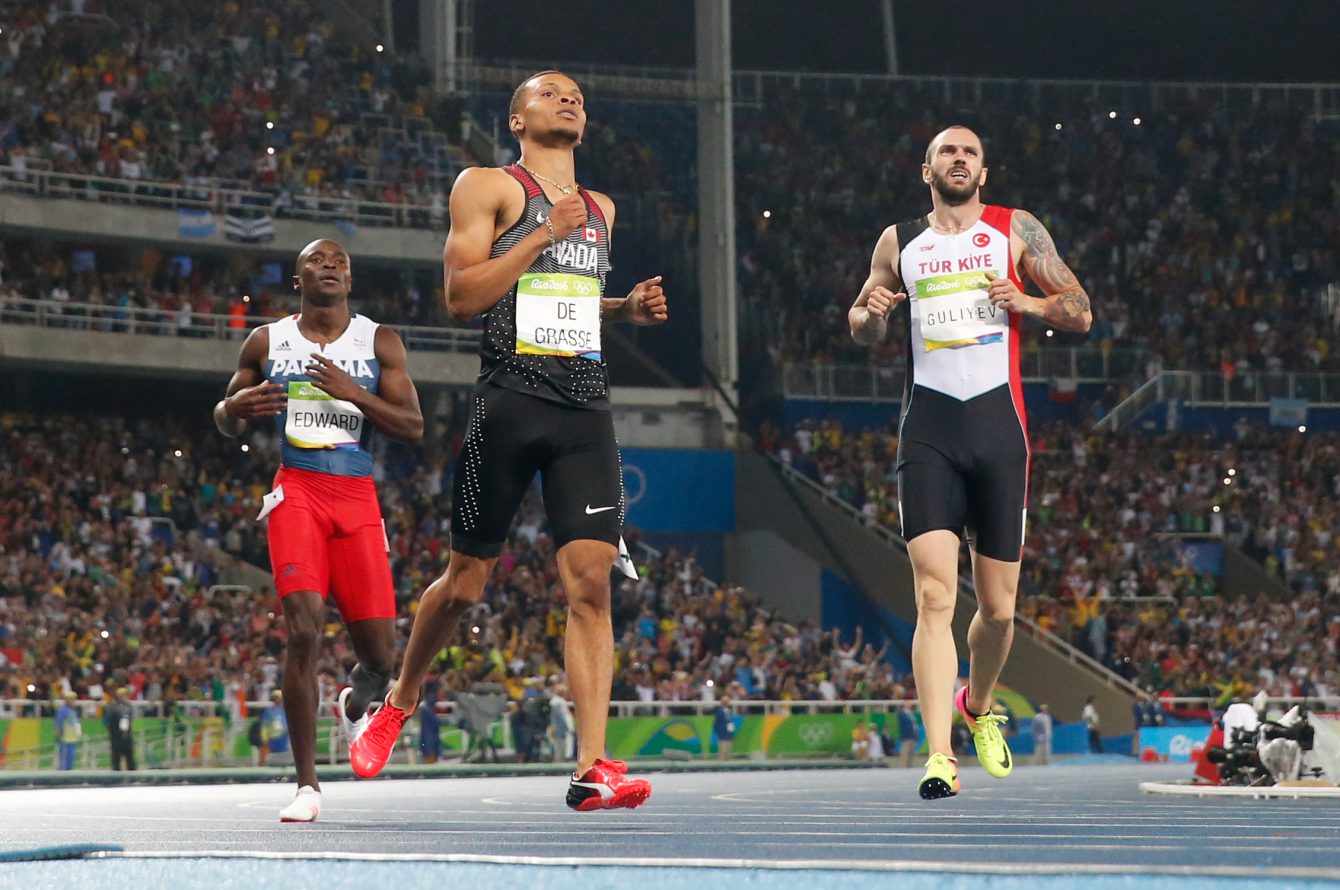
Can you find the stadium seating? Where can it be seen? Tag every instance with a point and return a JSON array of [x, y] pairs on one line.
[[1105, 563]]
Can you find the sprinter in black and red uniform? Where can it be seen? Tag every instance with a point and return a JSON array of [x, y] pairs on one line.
[[529, 250], [957, 274]]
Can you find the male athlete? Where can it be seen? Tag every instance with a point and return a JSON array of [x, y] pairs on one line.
[[529, 250], [327, 378], [963, 439]]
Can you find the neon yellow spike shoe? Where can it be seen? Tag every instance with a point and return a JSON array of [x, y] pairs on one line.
[[941, 779], [992, 751]]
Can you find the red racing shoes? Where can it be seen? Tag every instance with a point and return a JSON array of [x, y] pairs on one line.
[[606, 787]]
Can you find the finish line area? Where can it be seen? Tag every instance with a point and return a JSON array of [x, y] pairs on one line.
[[786, 829]]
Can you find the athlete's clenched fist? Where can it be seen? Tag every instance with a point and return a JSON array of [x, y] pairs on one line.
[[568, 215], [646, 303], [882, 300]]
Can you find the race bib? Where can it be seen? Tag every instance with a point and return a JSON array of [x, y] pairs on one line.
[[315, 420], [956, 313], [558, 314]]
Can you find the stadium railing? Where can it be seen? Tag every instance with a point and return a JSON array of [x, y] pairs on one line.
[[203, 325], [876, 383], [193, 746], [1215, 388], [1283, 702], [1039, 94], [213, 196]]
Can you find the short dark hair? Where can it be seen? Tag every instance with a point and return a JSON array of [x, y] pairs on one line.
[[955, 127], [514, 106]]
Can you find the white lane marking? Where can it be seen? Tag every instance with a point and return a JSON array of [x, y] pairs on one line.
[[883, 865], [718, 820], [1274, 792], [1072, 840]]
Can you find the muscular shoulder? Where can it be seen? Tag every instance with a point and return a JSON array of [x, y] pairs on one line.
[[888, 239], [1024, 224], [887, 248], [387, 344], [256, 348], [481, 183], [1029, 233], [1021, 218]]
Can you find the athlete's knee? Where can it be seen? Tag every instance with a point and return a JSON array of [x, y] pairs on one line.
[[591, 576], [304, 645], [589, 607], [998, 613], [935, 599], [464, 579], [304, 626], [589, 590]]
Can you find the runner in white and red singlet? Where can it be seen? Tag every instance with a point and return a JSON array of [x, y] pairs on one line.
[[327, 379], [956, 274]]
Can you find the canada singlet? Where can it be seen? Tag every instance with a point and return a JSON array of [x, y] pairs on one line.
[[543, 337]]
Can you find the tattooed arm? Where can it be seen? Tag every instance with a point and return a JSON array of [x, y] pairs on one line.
[[1066, 305]]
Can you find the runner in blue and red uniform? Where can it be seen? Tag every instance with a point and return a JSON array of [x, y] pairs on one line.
[[956, 274], [529, 250], [327, 379]]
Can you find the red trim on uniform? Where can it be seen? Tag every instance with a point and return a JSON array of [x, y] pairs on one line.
[[997, 218], [1000, 218], [591, 203], [1017, 394], [532, 187]]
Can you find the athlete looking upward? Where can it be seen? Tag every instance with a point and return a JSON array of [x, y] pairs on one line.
[[529, 250], [963, 437], [326, 378]]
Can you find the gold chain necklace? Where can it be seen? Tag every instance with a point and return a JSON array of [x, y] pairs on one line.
[[565, 189]]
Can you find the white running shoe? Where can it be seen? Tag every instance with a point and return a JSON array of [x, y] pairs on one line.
[[352, 728], [305, 807]]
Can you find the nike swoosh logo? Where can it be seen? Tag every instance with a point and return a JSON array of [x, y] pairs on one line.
[[1005, 764], [605, 791], [591, 511]]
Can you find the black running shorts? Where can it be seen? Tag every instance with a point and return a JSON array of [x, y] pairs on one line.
[[512, 436], [963, 466]]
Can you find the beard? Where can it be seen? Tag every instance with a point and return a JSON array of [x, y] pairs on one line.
[[559, 137], [566, 137], [954, 193]]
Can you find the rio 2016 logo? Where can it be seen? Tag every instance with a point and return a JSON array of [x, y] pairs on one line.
[[1180, 745]]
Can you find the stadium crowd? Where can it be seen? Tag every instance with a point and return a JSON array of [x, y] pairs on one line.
[[100, 584], [267, 96], [1140, 211], [97, 587], [1106, 516], [152, 292]]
